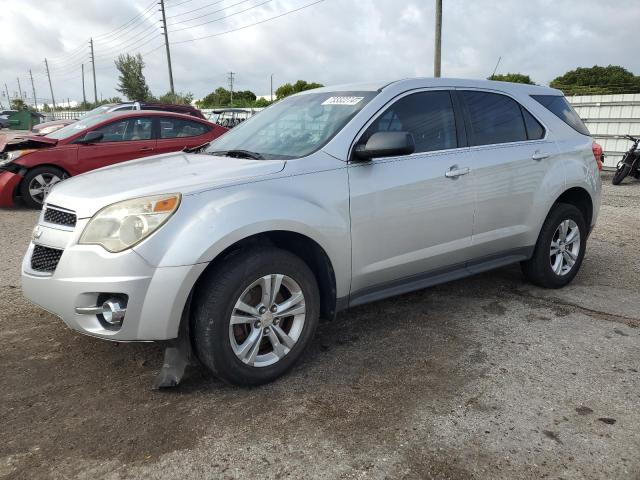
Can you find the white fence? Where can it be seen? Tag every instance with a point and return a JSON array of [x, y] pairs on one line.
[[608, 117]]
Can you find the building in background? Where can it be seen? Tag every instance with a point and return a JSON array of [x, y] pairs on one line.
[[608, 117]]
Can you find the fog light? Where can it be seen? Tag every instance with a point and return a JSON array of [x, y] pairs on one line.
[[113, 312]]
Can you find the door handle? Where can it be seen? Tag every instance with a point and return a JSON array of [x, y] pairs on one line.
[[538, 155], [455, 172], [146, 149]]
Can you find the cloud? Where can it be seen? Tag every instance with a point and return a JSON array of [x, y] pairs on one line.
[[336, 41]]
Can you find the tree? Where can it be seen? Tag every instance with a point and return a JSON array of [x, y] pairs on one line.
[[221, 97], [597, 81], [18, 104], [300, 86], [261, 103], [131, 81], [176, 98], [512, 77]]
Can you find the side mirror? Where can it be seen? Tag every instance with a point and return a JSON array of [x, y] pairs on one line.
[[386, 144], [90, 137]]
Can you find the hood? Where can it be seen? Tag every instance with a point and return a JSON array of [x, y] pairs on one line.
[[19, 141], [170, 173], [53, 123]]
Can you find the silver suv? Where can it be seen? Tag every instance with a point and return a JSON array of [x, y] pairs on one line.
[[328, 199]]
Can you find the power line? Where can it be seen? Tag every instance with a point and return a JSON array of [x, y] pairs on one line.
[[223, 17], [207, 14], [251, 24], [178, 4], [120, 28], [195, 9]]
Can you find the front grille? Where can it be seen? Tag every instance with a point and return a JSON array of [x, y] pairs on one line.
[[45, 259], [60, 217]]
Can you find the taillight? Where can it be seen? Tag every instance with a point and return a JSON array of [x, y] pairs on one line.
[[598, 154]]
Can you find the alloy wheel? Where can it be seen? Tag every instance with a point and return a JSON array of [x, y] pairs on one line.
[[40, 186], [565, 247], [267, 320]]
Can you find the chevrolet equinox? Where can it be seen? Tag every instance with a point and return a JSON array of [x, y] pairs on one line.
[[328, 199]]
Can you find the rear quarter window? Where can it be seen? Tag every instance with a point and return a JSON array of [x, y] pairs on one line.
[[561, 108]]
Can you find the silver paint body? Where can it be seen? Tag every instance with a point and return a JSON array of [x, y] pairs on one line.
[[379, 222]]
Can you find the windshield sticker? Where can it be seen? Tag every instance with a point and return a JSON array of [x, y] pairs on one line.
[[349, 101]]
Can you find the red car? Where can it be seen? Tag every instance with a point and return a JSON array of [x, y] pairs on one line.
[[31, 165]]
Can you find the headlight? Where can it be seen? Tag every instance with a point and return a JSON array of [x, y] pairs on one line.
[[14, 155], [124, 224]]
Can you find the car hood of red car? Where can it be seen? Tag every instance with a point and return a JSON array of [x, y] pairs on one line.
[[177, 172], [17, 141]]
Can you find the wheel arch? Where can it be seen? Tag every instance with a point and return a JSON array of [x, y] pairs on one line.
[[26, 169], [580, 198], [310, 251]]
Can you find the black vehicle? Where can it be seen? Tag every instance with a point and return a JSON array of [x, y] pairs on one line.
[[629, 165]]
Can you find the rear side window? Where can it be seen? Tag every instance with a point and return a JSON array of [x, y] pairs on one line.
[[559, 106], [180, 128], [428, 116], [535, 131], [494, 118]]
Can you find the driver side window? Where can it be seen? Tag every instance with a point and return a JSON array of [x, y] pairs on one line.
[[428, 116], [126, 130]]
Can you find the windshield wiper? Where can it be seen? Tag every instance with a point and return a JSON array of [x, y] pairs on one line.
[[238, 154]]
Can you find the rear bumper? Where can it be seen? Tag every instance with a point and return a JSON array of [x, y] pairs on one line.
[[8, 183]]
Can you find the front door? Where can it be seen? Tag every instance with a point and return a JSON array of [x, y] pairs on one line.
[[124, 139], [412, 215]]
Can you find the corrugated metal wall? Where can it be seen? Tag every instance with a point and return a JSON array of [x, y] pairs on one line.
[[608, 116]]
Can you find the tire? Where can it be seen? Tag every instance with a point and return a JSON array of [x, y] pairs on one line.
[[620, 174], [42, 179], [216, 340], [542, 269]]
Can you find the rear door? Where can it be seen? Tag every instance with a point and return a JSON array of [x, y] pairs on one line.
[[174, 134], [511, 156], [123, 139]]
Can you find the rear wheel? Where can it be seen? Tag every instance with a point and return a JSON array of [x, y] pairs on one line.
[[622, 171], [255, 315], [37, 183], [560, 248]]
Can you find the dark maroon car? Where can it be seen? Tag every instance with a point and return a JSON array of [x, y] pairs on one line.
[[30, 165]]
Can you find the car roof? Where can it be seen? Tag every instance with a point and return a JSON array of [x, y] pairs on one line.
[[430, 82], [149, 113]]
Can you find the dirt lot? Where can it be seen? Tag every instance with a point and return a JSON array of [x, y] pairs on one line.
[[482, 378]]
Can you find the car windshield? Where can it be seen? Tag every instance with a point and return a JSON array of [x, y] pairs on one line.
[[76, 127], [293, 127], [97, 111]]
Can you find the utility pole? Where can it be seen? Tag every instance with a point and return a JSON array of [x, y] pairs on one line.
[[33, 89], [437, 57], [19, 88], [272, 88], [231, 74], [166, 44], [84, 95], [53, 100], [8, 96], [93, 66]]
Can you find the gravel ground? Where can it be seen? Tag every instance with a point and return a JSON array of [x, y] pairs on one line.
[[487, 377]]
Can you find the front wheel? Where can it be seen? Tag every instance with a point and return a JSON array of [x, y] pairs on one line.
[[622, 171], [37, 183], [560, 248], [254, 315]]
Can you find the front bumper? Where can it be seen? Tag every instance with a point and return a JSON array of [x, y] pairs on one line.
[[9, 181], [156, 296]]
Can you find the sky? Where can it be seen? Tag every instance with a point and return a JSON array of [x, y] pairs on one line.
[[331, 42]]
